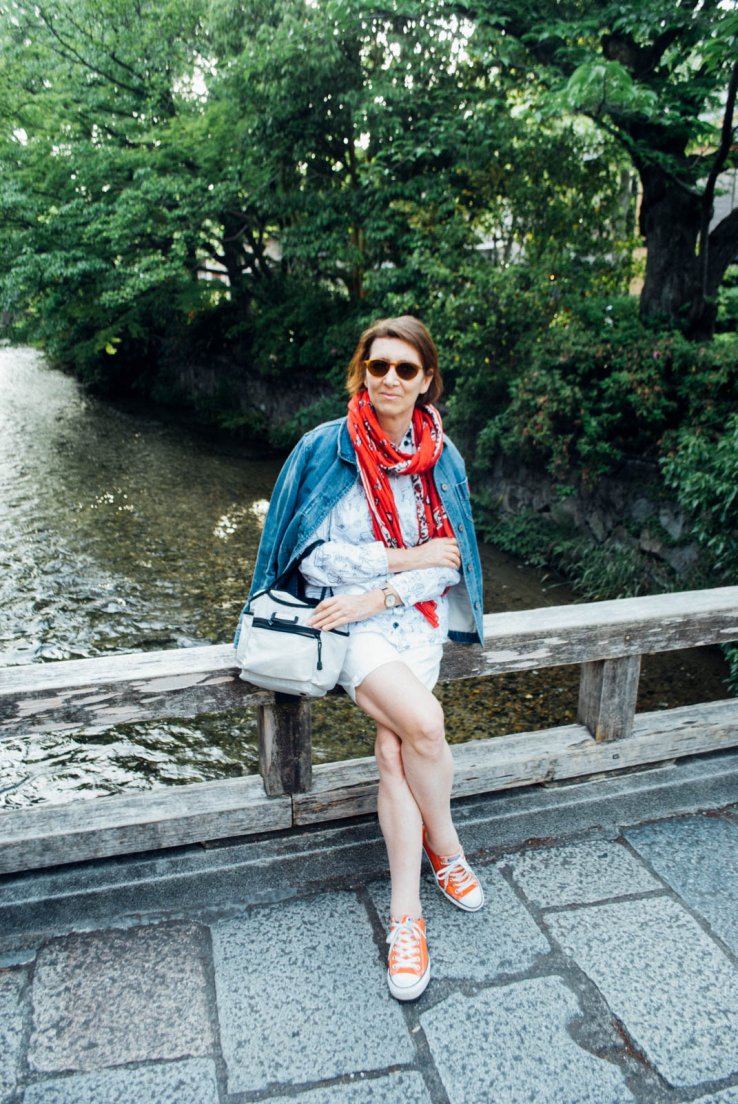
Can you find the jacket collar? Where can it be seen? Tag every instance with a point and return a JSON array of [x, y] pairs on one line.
[[345, 448]]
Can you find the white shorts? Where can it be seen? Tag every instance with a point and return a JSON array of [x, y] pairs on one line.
[[368, 650]]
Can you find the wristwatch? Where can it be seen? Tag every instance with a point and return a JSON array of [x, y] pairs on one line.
[[390, 598]]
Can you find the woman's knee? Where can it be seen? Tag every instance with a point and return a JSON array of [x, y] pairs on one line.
[[388, 752], [427, 733]]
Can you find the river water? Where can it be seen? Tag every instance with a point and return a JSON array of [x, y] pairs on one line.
[[120, 532]]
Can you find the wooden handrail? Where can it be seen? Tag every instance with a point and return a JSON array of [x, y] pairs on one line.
[[523, 639], [606, 638]]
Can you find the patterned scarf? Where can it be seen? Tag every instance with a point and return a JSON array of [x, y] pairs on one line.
[[378, 458]]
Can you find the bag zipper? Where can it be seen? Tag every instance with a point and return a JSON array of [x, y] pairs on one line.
[[290, 627]]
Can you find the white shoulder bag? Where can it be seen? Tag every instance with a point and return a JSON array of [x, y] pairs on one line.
[[277, 649]]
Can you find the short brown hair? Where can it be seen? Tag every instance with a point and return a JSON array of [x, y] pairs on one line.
[[406, 328]]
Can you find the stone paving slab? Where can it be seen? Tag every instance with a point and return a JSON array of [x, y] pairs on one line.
[[302, 995], [698, 857], [727, 1096], [500, 939], [188, 1082], [12, 984], [403, 1087], [579, 873], [111, 997], [671, 986], [513, 1045]]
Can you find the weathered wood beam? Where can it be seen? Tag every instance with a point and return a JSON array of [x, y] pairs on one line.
[[608, 690], [51, 835], [523, 759], [285, 745], [93, 694], [526, 639], [101, 670], [91, 709], [523, 638]]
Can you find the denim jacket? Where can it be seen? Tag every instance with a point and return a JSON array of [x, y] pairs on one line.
[[317, 473]]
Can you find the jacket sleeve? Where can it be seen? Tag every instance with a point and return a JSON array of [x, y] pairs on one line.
[[282, 508]]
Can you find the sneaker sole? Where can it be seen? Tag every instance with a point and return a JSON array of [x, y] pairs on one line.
[[449, 897], [410, 992], [457, 902]]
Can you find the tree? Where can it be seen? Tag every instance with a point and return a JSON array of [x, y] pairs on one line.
[[117, 178], [339, 159], [662, 79]]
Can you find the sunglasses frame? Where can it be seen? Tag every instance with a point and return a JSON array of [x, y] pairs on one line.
[[396, 364]]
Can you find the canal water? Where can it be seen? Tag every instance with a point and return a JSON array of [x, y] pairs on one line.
[[121, 532]]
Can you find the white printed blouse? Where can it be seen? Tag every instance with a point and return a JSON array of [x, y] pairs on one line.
[[352, 561]]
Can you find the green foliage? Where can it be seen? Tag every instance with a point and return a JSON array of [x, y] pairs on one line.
[[661, 79], [727, 316], [701, 465], [606, 87], [601, 388], [597, 571], [337, 161], [97, 201]]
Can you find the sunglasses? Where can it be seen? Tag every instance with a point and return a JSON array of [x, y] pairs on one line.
[[379, 367]]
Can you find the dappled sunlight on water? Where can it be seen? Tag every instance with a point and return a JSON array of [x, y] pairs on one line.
[[116, 532]]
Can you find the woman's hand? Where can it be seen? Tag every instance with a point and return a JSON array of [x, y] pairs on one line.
[[438, 552], [340, 609]]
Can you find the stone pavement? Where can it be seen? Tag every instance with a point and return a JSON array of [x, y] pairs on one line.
[[603, 969]]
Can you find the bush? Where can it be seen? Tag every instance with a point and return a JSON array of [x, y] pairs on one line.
[[701, 466], [596, 571], [603, 387], [727, 316]]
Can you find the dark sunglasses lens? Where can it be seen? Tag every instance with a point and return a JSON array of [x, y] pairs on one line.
[[405, 370], [378, 368]]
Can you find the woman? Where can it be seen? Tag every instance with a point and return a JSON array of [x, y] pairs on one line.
[[375, 507]]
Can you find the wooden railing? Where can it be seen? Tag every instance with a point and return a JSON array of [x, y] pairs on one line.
[[606, 638]]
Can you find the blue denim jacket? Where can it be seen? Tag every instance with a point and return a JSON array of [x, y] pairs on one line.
[[317, 473]]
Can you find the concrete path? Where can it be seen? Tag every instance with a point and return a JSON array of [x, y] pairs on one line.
[[603, 969]]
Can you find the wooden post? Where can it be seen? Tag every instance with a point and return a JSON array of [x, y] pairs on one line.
[[285, 731], [608, 690]]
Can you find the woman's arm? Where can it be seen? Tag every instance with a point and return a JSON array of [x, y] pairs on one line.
[[409, 586], [336, 562], [438, 552], [419, 586]]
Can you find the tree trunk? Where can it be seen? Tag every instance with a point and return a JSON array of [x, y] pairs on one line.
[[233, 259], [670, 222]]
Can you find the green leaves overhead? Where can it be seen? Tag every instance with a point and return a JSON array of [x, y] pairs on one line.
[[376, 154], [606, 87]]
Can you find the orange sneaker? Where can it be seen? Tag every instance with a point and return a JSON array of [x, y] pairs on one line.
[[408, 964], [455, 879]]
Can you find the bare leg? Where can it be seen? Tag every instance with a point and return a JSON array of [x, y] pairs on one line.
[[401, 824], [399, 702]]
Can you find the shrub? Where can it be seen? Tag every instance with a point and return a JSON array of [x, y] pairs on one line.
[[701, 467], [596, 571], [603, 387]]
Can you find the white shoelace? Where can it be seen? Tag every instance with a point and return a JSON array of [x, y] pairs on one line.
[[404, 944], [458, 871]]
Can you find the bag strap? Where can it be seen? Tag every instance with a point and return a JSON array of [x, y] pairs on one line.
[[310, 548]]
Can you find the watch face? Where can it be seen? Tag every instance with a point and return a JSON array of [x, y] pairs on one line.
[[390, 600]]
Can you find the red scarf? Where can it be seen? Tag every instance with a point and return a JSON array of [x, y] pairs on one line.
[[378, 458]]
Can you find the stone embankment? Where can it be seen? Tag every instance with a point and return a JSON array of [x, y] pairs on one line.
[[633, 510]]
